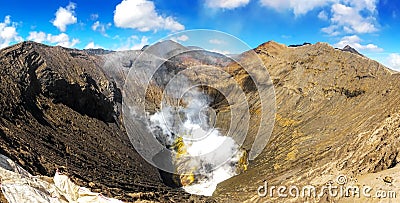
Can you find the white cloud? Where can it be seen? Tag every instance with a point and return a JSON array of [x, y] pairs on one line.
[[134, 43], [141, 15], [277, 5], [100, 27], [182, 38], [62, 40], [369, 5], [355, 42], [7, 20], [302, 7], [65, 16], [95, 25], [332, 30], [92, 45], [143, 42], [8, 32], [349, 19], [223, 52], [37, 36], [393, 61], [58, 40], [216, 41], [226, 4], [323, 15], [298, 7], [346, 16]]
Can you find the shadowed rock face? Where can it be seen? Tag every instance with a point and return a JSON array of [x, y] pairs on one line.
[[58, 108]]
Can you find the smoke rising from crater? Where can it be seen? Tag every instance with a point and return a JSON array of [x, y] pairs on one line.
[[174, 97], [208, 154]]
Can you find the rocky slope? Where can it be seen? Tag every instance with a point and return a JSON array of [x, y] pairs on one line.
[[337, 113], [59, 109]]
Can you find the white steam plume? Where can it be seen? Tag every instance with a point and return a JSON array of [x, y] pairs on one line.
[[212, 155]]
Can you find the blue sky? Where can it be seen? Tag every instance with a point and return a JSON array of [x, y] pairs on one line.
[[370, 26]]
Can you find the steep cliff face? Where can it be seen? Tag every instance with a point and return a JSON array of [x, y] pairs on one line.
[[337, 113], [59, 109]]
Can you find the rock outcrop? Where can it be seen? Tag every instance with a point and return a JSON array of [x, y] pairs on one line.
[[351, 50]]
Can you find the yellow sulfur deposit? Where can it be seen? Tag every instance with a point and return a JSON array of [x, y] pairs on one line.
[[187, 179], [243, 162], [179, 147], [184, 177]]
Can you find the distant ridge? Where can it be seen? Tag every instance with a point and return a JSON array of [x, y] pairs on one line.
[[97, 51], [299, 45]]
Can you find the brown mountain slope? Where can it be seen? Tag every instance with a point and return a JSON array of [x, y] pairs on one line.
[[59, 109], [337, 113]]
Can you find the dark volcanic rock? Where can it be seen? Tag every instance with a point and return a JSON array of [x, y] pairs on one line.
[[299, 45], [59, 109]]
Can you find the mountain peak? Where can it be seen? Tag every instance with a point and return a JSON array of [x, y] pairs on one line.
[[271, 47], [272, 44], [350, 49]]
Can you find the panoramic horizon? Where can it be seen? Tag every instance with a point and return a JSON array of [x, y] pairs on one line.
[[200, 101], [366, 25]]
